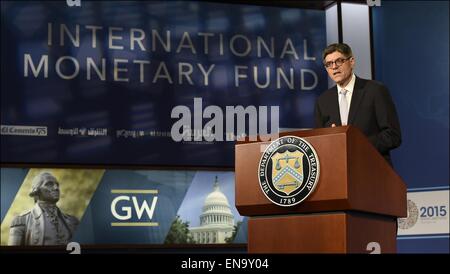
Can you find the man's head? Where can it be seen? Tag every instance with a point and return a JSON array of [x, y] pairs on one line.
[[45, 187], [339, 62]]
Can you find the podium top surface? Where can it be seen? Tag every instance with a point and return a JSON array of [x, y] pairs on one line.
[[299, 133]]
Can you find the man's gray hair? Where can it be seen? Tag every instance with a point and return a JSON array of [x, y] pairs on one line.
[[38, 181], [343, 48]]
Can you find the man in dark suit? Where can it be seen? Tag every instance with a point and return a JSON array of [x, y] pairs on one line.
[[362, 103]]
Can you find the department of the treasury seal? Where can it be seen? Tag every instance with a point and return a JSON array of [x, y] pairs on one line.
[[288, 171]]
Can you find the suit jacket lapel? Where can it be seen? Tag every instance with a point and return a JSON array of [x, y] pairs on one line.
[[358, 93], [334, 108], [38, 221]]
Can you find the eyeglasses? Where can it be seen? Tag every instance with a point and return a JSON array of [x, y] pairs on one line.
[[338, 62]]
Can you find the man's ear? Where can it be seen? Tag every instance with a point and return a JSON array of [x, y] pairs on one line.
[[37, 194], [352, 61]]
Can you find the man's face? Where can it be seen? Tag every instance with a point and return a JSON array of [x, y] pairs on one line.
[[49, 190], [339, 74]]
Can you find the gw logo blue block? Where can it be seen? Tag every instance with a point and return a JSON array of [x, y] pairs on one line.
[[134, 210]]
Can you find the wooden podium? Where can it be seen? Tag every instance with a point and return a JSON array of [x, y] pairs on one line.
[[357, 199]]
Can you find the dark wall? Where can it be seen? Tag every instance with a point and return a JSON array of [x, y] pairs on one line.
[[411, 49]]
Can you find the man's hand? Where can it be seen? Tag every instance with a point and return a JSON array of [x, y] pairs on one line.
[[333, 125]]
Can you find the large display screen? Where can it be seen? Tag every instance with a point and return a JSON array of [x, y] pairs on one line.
[[115, 82], [42, 207]]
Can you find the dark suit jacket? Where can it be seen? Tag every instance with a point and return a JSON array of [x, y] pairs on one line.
[[28, 228], [371, 110]]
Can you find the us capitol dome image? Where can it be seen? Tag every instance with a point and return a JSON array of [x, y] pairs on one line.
[[216, 220]]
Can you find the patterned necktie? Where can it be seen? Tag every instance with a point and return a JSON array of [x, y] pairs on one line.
[[343, 107]]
